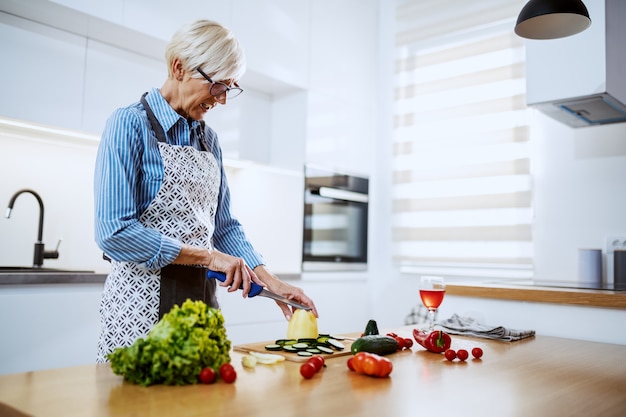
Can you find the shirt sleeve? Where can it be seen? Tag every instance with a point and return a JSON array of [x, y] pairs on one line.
[[229, 236], [119, 199]]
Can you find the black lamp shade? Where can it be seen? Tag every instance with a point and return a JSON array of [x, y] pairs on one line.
[[552, 19]]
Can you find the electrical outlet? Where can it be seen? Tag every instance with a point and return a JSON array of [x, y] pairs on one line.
[[613, 243]]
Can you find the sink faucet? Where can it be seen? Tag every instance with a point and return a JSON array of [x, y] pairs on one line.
[[40, 252]]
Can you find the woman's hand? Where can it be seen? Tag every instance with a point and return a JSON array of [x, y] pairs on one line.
[[238, 274], [274, 284]]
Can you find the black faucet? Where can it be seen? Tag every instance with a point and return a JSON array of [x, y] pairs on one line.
[[40, 252]]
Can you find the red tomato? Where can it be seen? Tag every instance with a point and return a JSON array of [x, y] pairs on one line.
[[477, 352], [207, 376], [228, 373], [371, 364], [450, 354], [408, 343], [317, 361], [307, 370], [350, 364], [462, 354]]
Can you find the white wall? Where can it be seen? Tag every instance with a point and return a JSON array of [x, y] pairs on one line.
[[580, 193]]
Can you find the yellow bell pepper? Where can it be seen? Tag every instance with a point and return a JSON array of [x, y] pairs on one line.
[[302, 325]]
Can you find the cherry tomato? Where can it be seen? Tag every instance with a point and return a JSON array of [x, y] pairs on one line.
[[450, 354], [228, 373], [317, 361], [207, 376], [307, 370], [371, 364], [462, 354], [350, 364], [477, 352]]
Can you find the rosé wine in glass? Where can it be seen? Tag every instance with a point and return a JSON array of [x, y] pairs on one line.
[[432, 291]]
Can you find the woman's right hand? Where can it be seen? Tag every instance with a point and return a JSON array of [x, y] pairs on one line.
[[238, 274]]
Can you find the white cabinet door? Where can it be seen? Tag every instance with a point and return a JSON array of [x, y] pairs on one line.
[[116, 78], [275, 35], [42, 73]]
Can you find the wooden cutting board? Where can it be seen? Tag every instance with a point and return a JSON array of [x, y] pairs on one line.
[[290, 356]]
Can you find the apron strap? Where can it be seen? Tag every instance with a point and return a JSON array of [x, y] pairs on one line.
[[156, 126]]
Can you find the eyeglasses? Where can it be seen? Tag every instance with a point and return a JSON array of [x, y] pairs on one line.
[[217, 88]]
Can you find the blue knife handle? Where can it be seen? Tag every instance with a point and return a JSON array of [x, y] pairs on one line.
[[255, 288]]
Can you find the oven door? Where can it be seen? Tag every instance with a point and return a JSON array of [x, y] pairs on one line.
[[335, 230]]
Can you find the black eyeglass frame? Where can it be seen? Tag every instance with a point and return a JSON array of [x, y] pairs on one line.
[[231, 92]]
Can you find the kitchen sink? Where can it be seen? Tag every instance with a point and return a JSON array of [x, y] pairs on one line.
[[33, 270]]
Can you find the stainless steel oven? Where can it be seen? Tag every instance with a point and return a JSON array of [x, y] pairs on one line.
[[335, 221]]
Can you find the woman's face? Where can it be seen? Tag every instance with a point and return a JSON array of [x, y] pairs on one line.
[[195, 98]]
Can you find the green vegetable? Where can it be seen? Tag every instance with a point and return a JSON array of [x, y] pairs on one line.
[[379, 344], [186, 340], [371, 328]]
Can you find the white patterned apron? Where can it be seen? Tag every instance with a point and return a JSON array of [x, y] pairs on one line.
[[184, 209]]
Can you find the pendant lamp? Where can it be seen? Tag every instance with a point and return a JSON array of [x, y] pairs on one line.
[[552, 19]]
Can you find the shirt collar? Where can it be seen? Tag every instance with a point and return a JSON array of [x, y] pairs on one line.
[[164, 113]]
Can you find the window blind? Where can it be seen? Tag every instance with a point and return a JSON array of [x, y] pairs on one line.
[[462, 189]]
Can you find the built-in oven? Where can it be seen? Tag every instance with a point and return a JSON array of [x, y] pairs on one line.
[[335, 220]]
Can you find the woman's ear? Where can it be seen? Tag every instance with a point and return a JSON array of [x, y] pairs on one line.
[[177, 69]]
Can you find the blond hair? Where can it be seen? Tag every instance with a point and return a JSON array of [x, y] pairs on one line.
[[210, 46]]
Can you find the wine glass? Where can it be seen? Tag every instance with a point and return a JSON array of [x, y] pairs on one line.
[[432, 290]]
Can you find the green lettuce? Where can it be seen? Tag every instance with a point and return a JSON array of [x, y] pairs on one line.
[[186, 340]]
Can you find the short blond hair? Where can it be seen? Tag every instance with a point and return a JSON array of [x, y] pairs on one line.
[[210, 46]]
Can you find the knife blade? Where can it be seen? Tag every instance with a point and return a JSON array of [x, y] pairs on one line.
[[256, 289]]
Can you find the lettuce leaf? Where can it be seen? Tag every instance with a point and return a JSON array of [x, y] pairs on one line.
[[186, 340]]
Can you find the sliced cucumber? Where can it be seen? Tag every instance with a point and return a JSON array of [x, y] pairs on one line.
[[324, 349], [273, 347], [307, 340], [336, 344], [304, 353], [289, 348], [314, 350], [284, 342], [336, 337], [300, 346]]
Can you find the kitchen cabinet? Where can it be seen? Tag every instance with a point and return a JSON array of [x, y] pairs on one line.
[[344, 89], [42, 79], [115, 78]]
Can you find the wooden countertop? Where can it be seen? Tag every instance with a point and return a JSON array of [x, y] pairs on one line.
[[538, 293], [542, 376]]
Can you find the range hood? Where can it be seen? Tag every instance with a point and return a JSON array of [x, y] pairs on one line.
[[581, 80]]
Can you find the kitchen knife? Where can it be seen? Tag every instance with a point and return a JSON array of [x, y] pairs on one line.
[[256, 289]]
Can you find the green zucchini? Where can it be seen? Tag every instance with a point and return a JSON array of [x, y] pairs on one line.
[[371, 328], [379, 344]]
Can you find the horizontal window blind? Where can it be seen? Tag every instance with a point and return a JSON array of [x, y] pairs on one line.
[[462, 190]]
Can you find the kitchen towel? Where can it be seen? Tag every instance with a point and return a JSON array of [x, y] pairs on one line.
[[469, 326]]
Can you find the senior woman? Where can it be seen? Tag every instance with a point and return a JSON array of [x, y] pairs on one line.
[[162, 203]]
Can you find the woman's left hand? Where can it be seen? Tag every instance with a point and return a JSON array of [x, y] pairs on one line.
[[274, 284]]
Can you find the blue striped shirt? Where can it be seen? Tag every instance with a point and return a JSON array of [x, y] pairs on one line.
[[128, 175]]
